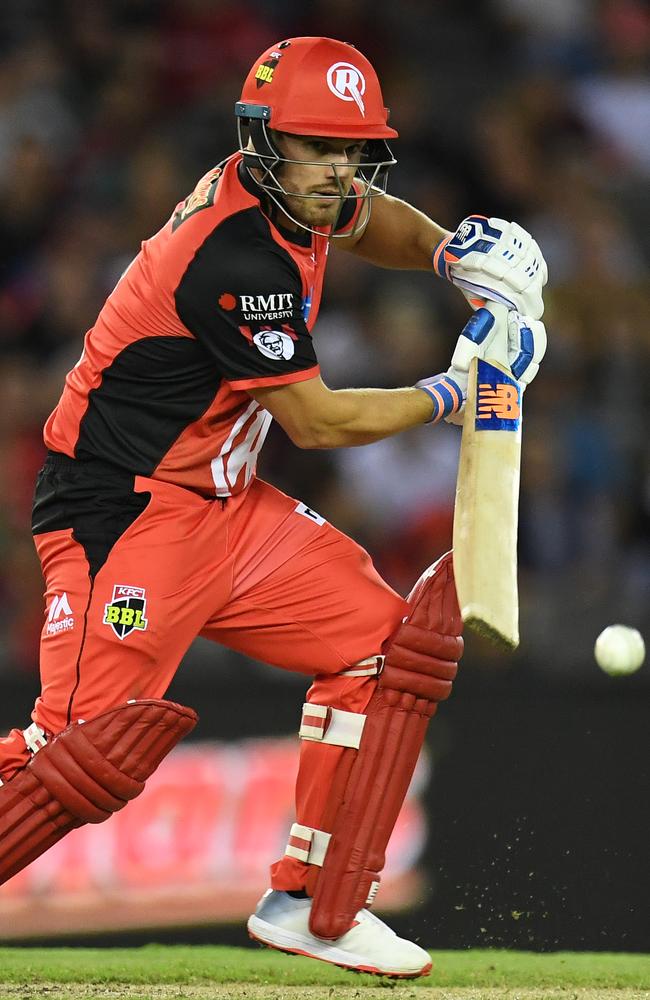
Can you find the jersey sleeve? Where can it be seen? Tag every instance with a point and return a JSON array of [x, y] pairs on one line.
[[241, 297]]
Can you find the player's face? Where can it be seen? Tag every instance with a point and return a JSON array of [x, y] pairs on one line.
[[330, 173]]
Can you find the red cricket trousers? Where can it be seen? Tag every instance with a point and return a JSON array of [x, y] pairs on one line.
[[135, 569]]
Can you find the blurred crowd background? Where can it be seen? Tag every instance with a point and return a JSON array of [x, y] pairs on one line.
[[536, 110], [110, 111]]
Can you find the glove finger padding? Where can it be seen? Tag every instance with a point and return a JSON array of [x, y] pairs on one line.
[[526, 346], [474, 340], [494, 259]]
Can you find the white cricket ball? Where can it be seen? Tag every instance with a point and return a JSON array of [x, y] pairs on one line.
[[619, 650]]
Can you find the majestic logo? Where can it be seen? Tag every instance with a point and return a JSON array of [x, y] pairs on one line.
[[273, 344], [126, 611], [278, 305], [498, 403], [347, 83], [59, 617]]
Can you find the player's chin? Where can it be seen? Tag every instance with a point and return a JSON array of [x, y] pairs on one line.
[[325, 213], [318, 213]]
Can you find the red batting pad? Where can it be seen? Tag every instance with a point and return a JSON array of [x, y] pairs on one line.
[[84, 775], [420, 666]]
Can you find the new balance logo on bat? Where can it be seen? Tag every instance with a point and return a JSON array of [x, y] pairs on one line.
[[498, 400]]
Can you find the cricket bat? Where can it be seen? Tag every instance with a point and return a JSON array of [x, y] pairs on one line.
[[487, 495]]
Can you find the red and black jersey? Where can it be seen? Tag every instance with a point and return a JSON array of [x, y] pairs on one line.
[[222, 299]]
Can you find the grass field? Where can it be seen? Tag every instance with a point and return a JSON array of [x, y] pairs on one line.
[[203, 973]]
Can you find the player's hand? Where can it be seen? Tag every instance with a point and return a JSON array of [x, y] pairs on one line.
[[475, 339], [494, 259], [521, 352]]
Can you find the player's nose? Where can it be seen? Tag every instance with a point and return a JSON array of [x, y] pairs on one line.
[[339, 166]]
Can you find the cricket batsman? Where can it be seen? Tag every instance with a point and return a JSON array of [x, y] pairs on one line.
[[152, 527]]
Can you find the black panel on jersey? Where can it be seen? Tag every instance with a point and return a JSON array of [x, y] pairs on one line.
[[148, 395], [96, 500], [239, 284]]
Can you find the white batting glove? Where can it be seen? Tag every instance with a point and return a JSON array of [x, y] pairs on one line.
[[526, 347], [494, 259], [524, 350], [449, 390]]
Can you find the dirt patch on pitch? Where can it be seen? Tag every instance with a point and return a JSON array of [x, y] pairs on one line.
[[239, 991]]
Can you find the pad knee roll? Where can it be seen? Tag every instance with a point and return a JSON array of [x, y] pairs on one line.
[[421, 656]]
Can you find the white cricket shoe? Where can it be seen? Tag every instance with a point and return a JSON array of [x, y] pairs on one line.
[[281, 921]]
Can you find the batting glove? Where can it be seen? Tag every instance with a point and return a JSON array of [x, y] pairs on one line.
[[526, 347], [489, 258], [524, 350], [448, 393]]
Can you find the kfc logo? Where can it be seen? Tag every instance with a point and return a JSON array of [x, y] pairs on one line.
[[347, 83], [273, 344]]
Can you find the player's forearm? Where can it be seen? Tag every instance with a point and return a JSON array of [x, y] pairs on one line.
[[362, 416], [398, 236]]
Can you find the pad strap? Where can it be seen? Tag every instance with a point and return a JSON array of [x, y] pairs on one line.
[[34, 737], [323, 724], [371, 667], [307, 844]]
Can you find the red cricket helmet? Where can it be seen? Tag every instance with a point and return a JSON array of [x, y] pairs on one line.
[[318, 86], [314, 87]]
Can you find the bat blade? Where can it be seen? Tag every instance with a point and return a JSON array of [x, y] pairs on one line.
[[487, 504]]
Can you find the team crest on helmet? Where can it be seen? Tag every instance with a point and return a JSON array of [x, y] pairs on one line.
[[125, 612], [347, 83]]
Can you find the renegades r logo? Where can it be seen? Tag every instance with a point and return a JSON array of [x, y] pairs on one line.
[[126, 611]]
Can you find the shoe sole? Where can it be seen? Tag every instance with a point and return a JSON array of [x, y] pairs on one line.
[[295, 944]]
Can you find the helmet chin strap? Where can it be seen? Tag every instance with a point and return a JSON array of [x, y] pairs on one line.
[[279, 202], [261, 156]]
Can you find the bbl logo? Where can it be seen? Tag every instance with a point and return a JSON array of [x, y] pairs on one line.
[[126, 611]]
